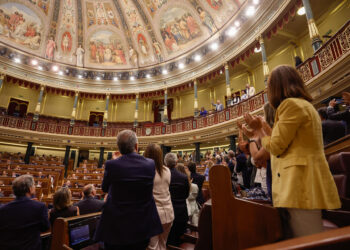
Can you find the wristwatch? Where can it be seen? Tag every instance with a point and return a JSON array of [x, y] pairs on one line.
[[250, 140]]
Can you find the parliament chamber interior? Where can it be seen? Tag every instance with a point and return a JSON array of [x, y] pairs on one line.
[[161, 124]]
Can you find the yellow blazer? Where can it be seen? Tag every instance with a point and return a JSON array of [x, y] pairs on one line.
[[300, 173]]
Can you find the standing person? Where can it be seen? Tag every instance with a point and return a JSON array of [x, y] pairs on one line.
[[129, 218], [161, 196], [250, 91], [23, 219], [179, 191], [218, 106], [197, 179], [298, 162]]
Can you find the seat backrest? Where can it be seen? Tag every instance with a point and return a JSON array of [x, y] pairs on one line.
[[238, 223], [204, 241], [339, 165]]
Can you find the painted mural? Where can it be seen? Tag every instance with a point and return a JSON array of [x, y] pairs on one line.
[[215, 4], [21, 25], [105, 48], [178, 27], [68, 13], [206, 19], [154, 5], [100, 14], [42, 4], [66, 42]]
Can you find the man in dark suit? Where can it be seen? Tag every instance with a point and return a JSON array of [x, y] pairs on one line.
[[197, 179], [179, 190], [130, 217], [343, 115], [89, 204], [331, 130], [23, 219]]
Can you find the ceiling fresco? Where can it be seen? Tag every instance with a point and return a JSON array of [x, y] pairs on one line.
[[112, 34]]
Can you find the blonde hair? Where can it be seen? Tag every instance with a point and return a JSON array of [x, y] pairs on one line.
[[62, 198]]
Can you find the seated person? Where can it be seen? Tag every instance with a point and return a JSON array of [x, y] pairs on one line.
[[343, 115], [203, 112], [89, 204], [244, 95], [218, 106], [23, 219], [67, 184], [331, 130], [62, 205]]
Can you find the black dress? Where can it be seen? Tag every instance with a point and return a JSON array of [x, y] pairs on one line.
[[65, 212]]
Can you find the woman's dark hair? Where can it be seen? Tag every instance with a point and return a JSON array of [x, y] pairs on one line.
[[285, 82], [154, 152], [62, 198], [192, 167]]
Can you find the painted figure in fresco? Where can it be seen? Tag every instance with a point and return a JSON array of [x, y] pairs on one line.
[[157, 49], [65, 43], [100, 53], [80, 56], [192, 25], [50, 48], [206, 20], [93, 50], [133, 56], [119, 56]]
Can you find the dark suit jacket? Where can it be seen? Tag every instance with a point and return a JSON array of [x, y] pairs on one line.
[[89, 205], [21, 222], [179, 190], [332, 131], [340, 116], [130, 214], [198, 179]]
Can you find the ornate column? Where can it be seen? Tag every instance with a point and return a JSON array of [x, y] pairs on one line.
[[66, 160], [105, 115], [313, 31], [136, 116], [198, 152], [74, 111], [195, 104], [228, 86], [38, 105], [28, 152], [165, 118], [266, 70], [233, 142], [100, 160], [2, 77]]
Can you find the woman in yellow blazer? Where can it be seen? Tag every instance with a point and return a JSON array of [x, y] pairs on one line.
[[301, 179]]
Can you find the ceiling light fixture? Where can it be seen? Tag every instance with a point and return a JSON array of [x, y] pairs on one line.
[[55, 68], [232, 31], [60, 73], [214, 46], [115, 78], [250, 11], [181, 65], [34, 62], [164, 72], [40, 68], [98, 78], [301, 11], [17, 60], [257, 50], [148, 76], [197, 58], [237, 23], [80, 76], [256, 2], [132, 78]]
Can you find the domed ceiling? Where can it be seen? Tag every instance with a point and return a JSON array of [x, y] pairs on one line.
[[112, 34]]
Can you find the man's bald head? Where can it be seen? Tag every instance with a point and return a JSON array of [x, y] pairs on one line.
[[89, 190]]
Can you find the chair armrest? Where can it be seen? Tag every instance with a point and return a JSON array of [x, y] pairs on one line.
[[339, 217]]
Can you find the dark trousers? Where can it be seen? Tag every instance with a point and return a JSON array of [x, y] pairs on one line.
[[142, 245], [178, 229]]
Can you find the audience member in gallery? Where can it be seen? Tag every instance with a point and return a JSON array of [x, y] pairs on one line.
[[161, 196], [244, 95], [250, 91], [298, 61], [197, 179], [129, 218], [203, 112], [298, 161], [23, 219], [236, 99], [62, 205], [89, 204], [343, 115], [179, 191], [218, 106], [331, 130], [191, 202]]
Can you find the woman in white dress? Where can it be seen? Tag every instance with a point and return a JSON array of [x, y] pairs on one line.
[[161, 196]]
